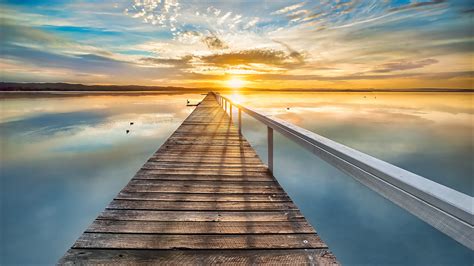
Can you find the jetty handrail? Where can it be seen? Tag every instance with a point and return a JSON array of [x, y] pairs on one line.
[[446, 209]]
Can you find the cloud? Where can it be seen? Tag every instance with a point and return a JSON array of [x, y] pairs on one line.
[[437, 76], [299, 57], [213, 10], [255, 56], [404, 65], [83, 62], [22, 35], [181, 63], [311, 17], [288, 9], [12, 32], [416, 5], [162, 13], [298, 15], [214, 43], [345, 7], [331, 40], [251, 23], [224, 17]]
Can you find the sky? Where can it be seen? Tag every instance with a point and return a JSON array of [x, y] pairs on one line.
[[352, 44]]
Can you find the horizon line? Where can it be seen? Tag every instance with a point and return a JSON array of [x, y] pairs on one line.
[[56, 86]]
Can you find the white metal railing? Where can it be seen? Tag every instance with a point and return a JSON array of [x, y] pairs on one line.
[[446, 209]]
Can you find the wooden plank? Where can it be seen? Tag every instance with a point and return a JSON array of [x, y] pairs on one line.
[[207, 149], [153, 241], [211, 139], [203, 147], [194, 177], [201, 197], [253, 167], [209, 172], [210, 147], [210, 151], [215, 132], [200, 257], [201, 205], [223, 189], [205, 173], [201, 216], [203, 131], [180, 227], [205, 183], [215, 163], [210, 155], [204, 170], [206, 159], [210, 142]]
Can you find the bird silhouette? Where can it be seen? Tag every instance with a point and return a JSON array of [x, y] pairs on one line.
[[131, 123], [128, 131]]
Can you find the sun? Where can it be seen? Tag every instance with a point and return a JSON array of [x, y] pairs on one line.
[[235, 83]]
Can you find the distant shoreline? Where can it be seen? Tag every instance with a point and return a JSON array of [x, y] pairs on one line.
[[68, 87]]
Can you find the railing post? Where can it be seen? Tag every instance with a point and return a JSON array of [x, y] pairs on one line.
[[270, 148], [230, 111], [240, 121], [225, 105]]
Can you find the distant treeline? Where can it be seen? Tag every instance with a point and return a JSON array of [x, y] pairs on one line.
[[11, 86]]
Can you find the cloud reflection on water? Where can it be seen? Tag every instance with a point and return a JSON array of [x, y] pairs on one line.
[[401, 128], [64, 158], [429, 134]]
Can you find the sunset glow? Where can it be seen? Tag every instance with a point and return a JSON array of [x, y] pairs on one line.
[[222, 115], [235, 83], [279, 44]]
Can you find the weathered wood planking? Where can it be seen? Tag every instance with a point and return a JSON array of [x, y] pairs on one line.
[[204, 197]]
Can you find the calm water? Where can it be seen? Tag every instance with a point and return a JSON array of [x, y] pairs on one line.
[[64, 158]]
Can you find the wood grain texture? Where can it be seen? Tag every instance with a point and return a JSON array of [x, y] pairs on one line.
[[179, 241], [221, 178], [200, 205], [198, 216], [204, 197], [203, 183], [221, 189], [180, 227], [320, 257]]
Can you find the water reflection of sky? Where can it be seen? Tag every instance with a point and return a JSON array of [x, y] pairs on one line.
[[429, 134], [64, 158]]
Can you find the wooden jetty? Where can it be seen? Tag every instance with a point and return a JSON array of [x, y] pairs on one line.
[[204, 197]]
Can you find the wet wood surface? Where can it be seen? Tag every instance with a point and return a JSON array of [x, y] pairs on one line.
[[204, 197]]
